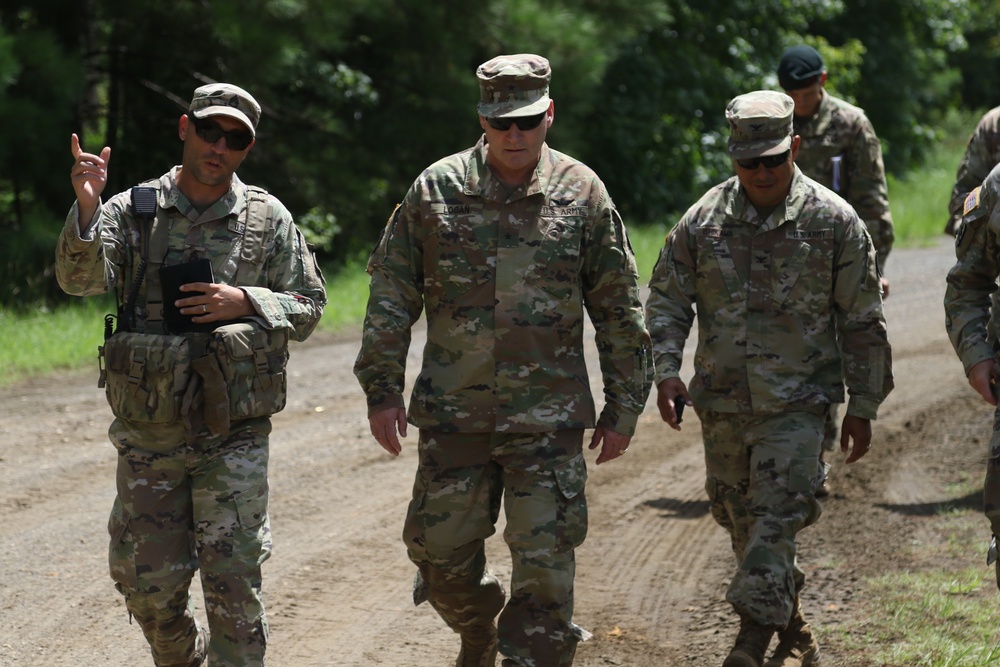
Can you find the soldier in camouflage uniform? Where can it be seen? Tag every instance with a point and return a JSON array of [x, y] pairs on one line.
[[192, 483], [982, 153], [838, 149], [502, 246], [777, 268], [970, 308]]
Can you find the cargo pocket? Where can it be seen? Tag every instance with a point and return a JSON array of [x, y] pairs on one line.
[[121, 552], [804, 477], [414, 533], [147, 375], [253, 362], [571, 514], [251, 510]]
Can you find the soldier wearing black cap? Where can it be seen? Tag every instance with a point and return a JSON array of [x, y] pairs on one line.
[[840, 150]]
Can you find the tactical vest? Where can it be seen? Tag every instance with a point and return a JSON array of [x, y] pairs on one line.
[[236, 371]]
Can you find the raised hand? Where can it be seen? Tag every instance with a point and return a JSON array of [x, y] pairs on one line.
[[89, 175]]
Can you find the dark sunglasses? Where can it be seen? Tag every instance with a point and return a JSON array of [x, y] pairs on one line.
[[209, 132], [523, 122], [769, 161]]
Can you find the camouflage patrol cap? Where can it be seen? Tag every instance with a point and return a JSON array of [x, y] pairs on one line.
[[225, 99], [760, 123], [516, 85]]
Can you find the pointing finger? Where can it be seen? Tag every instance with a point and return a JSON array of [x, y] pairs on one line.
[[74, 146]]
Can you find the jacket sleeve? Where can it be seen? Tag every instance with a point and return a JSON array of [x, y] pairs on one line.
[[972, 281], [981, 155], [670, 308], [395, 302], [869, 192], [611, 295], [94, 262], [861, 323], [294, 294]]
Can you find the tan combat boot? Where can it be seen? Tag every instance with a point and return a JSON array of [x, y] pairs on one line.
[[479, 647], [751, 644], [797, 646]]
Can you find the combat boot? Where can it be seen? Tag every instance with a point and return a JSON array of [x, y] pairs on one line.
[[797, 645], [479, 647], [751, 644]]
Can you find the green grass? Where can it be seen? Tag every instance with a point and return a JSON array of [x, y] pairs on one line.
[[40, 340], [919, 201], [940, 615]]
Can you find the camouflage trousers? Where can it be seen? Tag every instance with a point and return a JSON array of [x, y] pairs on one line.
[[200, 506], [762, 474], [456, 502], [831, 427], [991, 486]]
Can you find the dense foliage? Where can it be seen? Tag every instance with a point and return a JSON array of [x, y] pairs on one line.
[[360, 95]]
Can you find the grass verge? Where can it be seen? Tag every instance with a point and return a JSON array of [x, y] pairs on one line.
[[939, 614]]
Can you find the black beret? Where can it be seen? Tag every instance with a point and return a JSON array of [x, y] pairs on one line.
[[799, 66]]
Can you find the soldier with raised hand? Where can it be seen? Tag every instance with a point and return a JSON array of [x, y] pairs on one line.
[[193, 378], [778, 270], [972, 324], [502, 247], [840, 150], [982, 153]]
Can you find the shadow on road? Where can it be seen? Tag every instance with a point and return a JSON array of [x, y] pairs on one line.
[[679, 509], [972, 501]]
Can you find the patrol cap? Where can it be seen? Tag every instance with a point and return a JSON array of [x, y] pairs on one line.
[[799, 65], [511, 86], [760, 123], [225, 99]]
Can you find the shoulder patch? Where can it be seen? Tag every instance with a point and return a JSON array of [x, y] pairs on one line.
[[971, 201]]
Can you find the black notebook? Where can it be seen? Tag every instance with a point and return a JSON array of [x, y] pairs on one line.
[[171, 279]]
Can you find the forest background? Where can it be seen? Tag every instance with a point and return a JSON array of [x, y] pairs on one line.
[[359, 96]]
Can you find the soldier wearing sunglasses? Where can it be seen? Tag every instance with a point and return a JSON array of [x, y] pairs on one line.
[[782, 276], [190, 428], [502, 246]]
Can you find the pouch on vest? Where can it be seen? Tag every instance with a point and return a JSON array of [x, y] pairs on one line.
[[253, 361], [147, 375]]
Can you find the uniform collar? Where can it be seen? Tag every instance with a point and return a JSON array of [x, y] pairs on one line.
[[231, 203], [480, 181]]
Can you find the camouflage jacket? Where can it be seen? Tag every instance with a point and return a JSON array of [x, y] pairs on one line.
[[971, 295], [772, 298], [503, 280], [840, 150], [981, 154], [289, 292]]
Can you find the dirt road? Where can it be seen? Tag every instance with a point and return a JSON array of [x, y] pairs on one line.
[[652, 572]]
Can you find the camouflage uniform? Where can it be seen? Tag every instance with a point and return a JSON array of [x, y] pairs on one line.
[[981, 154], [503, 394], [970, 302], [840, 150], [194, 500], [772, 297], [841, 133]]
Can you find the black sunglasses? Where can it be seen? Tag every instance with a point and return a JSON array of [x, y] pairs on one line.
[[523, 122], [209, 132], [769, 161]]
